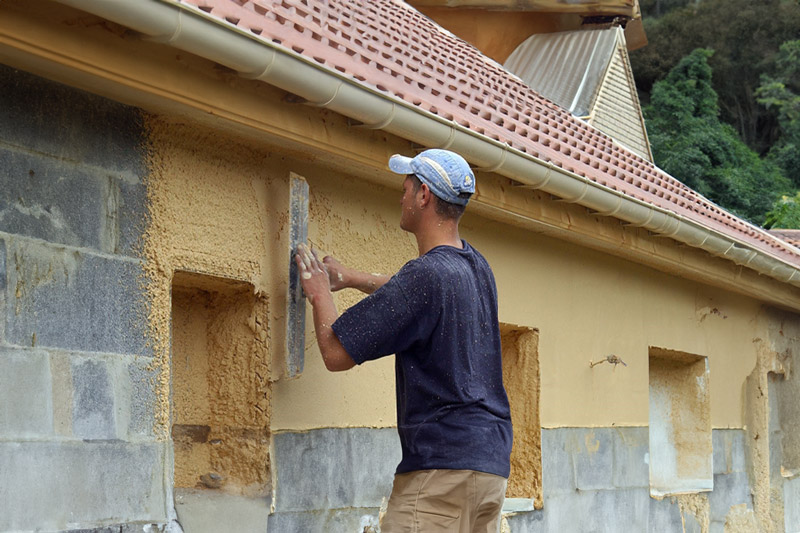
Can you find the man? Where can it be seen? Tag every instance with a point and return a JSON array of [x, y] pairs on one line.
[[438, 314]]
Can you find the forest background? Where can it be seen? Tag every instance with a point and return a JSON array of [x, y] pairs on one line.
[[719, 81]]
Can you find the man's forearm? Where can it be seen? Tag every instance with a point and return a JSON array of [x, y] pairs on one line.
[[342, 277], [334, 355], [367, 283], [316, 284]]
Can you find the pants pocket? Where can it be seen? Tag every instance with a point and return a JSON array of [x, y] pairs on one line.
[[428, 522]]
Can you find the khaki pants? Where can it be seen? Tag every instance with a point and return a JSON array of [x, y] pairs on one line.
[[445, 501]]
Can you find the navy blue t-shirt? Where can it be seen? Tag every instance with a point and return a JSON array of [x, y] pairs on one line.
[[438, 314]]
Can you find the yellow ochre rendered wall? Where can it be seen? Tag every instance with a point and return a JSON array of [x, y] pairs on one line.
[[586, 305], [214, 210]]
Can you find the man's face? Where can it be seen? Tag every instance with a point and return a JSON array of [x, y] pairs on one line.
[[408, 203]]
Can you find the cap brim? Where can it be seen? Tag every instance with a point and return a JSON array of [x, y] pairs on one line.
[[400, 164]]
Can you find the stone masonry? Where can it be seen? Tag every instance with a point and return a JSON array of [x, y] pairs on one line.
[[76, 443]]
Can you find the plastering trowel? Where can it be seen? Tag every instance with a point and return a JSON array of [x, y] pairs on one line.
[[295, 301]]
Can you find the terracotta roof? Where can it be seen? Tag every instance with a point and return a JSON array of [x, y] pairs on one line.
[[588, 73], [389, 45], [792, 236]]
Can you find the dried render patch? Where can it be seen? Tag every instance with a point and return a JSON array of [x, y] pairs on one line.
[[757, 419], [697, 506], [204, 216], [740, 519]]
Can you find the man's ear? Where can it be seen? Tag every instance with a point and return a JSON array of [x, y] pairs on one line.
[[425, 195]]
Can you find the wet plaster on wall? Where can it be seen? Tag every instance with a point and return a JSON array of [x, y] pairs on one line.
[[358, 223], [521, 380], [204, 217], [220, 384]]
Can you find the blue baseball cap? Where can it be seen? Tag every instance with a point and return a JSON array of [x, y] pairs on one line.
[[445, 172]]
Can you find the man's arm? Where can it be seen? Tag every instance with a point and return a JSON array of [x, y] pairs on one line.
[[316, 284], [342, 277]]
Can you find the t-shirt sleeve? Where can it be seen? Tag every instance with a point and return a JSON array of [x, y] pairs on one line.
[[391, 319]]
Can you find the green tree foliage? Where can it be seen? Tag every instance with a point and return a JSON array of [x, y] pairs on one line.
[[785, 213], [781, 95], [657, 8], [745, 35], [692, 144]]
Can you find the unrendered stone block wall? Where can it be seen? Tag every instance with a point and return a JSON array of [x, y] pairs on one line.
[[77, 449], [594, 479]]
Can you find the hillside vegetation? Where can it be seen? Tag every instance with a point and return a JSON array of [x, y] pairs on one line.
[[719, 81]]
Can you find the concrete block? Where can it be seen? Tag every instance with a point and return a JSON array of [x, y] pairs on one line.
[[49, 200], [61, 372], [598, 511], [665, 515], [527, 522], [74, 301], [3, 286], [139, 396], [124, 528], [728, 450], [26, 405], [738, 450], [716, 527], [334, 468], [49, 486], [630, 457], [729, 490], [691, 524], [791, 505], [205, 511], [2, 269], [70, 125], [93, 406], [131, 216], [721, 446], [593, 456], [558, 470], [334, 521]]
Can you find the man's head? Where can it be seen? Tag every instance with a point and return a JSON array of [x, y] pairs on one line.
[[445, 173]]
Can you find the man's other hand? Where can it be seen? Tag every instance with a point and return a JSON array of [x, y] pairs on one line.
[[313, 274], [337, 273]]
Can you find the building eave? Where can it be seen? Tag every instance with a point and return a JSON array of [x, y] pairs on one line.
[[203, 35]]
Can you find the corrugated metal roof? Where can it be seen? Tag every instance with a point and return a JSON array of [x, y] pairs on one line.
[[391, 47], [588, 73], [566, 67]]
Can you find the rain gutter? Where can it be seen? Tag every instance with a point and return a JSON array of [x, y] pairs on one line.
[[194, 31]]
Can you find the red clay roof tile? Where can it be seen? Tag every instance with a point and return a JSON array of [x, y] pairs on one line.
[[390, 46]]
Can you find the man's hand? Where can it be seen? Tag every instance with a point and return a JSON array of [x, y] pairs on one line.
[[313, 275], [337, 273], [317, 286], [342, 277]]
